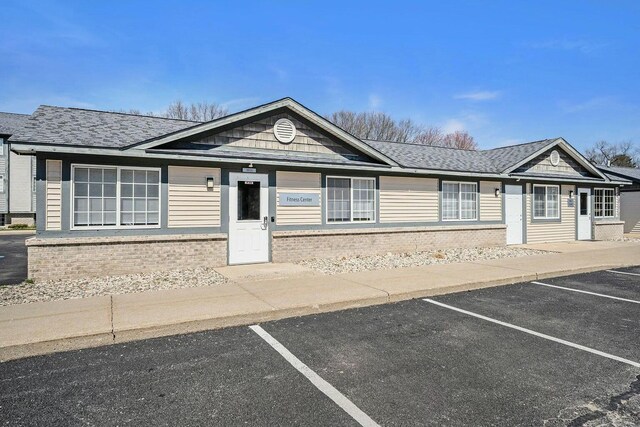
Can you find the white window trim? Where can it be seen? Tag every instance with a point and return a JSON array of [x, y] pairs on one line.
[[351, 221], [1, 146], [603, 216], [546, 205], [72, 225], [2, 184], [459, 219]]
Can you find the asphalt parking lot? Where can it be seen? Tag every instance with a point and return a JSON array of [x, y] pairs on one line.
[[524, 354], [13, 258]]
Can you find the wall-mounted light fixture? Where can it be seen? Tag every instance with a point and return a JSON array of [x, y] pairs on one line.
[[209, 182], [571, 194], [497, 192]]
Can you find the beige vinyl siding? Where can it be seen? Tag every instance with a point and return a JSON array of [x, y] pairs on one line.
[[54, 195], [550, 230], [298, 182], [406, 199], [191, 203], [490, 205], [630, 211]]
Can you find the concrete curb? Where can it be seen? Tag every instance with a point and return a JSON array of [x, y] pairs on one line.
[[160, 330]]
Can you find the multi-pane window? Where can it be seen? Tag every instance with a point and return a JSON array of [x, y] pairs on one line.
[[139, 197], [546, 201], [350, 199], [605, 202], [112, 197], [459, 201]]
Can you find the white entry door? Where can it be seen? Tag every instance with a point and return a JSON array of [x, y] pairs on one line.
[[248, 218], [584, 214], [513, 214]]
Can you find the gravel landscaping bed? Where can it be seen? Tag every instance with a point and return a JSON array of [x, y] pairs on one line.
[[68, 289], [413, 259]]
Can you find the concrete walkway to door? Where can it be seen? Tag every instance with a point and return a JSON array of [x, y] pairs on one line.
[[257, 295]]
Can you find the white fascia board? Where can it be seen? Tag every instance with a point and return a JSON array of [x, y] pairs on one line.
[[26, 148], [288, 103]]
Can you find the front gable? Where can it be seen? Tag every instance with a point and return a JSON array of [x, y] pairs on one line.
[[250, 135], [259, 137], [544, 164]]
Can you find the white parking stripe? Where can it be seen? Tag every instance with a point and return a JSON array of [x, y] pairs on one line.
[[587, 292], [537, 334], [623, 272], [330, 391]]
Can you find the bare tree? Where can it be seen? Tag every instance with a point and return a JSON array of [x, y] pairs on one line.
[[375, 125], [430, 136], [459, 139], [197, 111], [622, 154]]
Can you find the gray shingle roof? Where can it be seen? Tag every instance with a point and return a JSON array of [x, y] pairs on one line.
[[484, 161], [618, 171], [427, 157], [91, 128], [504, 157], [11, 122], [103, 129]]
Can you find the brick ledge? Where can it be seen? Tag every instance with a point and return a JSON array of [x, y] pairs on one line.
[[389, 230], [68, 241]]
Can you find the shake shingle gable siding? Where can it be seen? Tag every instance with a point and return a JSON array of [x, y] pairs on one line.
[[92, 128]]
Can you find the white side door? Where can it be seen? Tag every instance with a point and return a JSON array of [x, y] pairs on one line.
[[248, 218], [513, 214], [584, 214]]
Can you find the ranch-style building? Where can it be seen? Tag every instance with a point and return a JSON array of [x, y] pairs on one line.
[[120, 193]]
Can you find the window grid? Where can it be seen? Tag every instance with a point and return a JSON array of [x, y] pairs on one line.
[[604, 203], [546, 202], [459, 201], [350, 199], [98, 197]]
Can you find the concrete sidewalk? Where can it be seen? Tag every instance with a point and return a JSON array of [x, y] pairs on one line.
[[37, 328]]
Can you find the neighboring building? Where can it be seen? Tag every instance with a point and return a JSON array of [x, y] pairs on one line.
[[629, 196], [17, 174], [120, 193]]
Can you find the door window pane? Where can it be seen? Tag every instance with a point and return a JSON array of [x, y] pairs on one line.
[[584, 208], [248, 200]]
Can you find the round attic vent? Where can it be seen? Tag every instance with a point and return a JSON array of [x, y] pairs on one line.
[[555, 158], [284, 130]]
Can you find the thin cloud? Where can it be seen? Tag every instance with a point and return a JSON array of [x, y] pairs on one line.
[[453, 125], [590, 104], [375, 101], [480, 95], [583, 46]]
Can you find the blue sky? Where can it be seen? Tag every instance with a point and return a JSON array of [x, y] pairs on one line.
[[506, 71]]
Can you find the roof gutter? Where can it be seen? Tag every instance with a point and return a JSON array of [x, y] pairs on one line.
[[26, 148]]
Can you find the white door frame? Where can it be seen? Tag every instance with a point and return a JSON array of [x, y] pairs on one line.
[[583, 222], [248, 239], [513, 199]]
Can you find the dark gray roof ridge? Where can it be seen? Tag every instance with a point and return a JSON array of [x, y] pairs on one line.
[[522, 143], [420, 145], [122, 113]]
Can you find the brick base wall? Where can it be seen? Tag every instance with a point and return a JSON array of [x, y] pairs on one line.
[[13, 218], [608, 230], [70, 258], [290, 246]]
